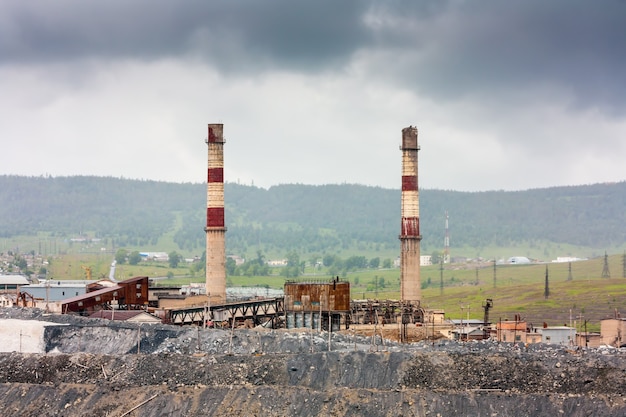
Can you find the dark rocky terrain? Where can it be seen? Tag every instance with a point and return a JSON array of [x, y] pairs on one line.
[[91, 367]]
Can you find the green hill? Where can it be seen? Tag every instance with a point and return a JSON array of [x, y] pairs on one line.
[[344, 219]]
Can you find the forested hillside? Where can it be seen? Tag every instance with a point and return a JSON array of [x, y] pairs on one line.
[[309, 218]]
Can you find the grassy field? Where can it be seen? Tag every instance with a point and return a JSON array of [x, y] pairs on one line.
[[519, 289]]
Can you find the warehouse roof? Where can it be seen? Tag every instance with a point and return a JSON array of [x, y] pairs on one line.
[[13, 280]]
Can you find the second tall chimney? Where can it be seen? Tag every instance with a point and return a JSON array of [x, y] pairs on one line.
[[410, 286]]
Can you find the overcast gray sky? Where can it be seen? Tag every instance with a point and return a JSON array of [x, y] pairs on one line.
[[506, 94]]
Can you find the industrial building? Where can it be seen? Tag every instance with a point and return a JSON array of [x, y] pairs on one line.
[[131, 294], [558, 335], [56, 290], [320, 305], [12, 283], [10, 289], [613, 331]]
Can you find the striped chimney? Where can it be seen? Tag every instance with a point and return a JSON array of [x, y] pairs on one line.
[[410, 289], [215, 224]]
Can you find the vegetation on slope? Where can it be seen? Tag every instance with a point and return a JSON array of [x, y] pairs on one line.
[[342, 219]]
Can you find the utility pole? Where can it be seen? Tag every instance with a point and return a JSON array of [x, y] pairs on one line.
[[376, 283], [580, 320], [494, 272], [546, 291], [446, 243], [605, 268], [47, 292], [461, 333], [138, 339], [569, 272], [468, 314], [441, 276]]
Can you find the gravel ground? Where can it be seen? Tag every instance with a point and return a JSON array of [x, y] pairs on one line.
[[92, 367]]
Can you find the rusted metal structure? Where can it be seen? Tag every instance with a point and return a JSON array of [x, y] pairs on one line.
[[260, 312], [383, 312], [131, 294], [320, 305], [215, 223], [410, 286]]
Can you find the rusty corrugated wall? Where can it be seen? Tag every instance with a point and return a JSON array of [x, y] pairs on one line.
[[313, 296]]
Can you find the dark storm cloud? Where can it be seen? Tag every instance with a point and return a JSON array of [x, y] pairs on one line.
[[254, 33], [492, 47], [441, 49], [444, 49]]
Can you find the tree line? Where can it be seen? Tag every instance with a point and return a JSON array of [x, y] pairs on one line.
[[295, 266], [308, 219]]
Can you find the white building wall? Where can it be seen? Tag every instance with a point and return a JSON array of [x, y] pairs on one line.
[[564, 336]]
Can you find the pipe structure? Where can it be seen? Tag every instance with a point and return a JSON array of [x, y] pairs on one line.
[[410, 286], [215, 224]]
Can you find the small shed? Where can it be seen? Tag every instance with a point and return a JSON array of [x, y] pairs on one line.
[[590, 339]]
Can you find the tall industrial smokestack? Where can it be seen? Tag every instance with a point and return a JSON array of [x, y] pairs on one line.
[[410, 290], [215, 224]]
